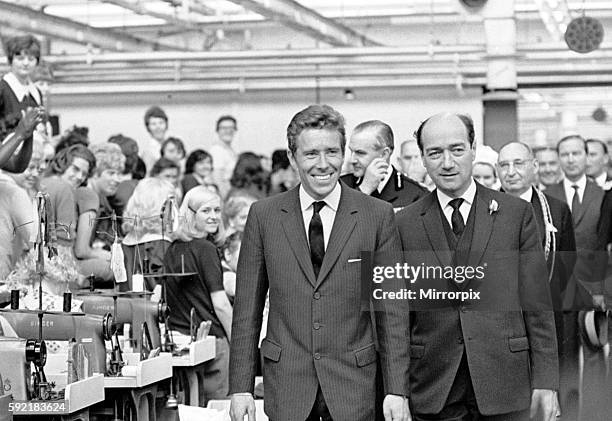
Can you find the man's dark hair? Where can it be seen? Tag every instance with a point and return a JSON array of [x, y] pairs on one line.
[[467, 121], [316, 117], [597, 142], [162, 164], [572, 136], [16, 45], [195, 157], [154, 111], [226, 118], [384, 133]]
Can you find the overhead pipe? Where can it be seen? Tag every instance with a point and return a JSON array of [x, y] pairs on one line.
[[268, 54], [272, 85], [30, 20], [296, 16]]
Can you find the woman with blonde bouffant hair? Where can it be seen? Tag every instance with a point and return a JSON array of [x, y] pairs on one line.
[[194, 252], [213, 229], [144, 241]]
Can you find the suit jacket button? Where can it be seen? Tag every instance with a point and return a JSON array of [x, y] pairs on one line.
[[316, 326], [317, 356], [460, 340], [317, 295]]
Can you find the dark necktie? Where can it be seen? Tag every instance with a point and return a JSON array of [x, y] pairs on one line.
[[575, 202], [457, 218], [315, 237]]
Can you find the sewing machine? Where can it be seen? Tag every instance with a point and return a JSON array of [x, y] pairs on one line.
[[5, 399], [133, 310], [88, 330], [71, 403]]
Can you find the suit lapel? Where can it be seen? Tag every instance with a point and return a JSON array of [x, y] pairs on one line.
[[293, 225], [483, 226], [432, 223], [344, 223]]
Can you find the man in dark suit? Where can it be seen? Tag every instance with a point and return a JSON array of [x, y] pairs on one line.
[[371, 147], [585, 198], [517, 169], [303, 246], [492, 356], [585, 288], [597, 163]]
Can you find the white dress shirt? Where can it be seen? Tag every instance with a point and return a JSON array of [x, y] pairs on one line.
[[600, 180], [569, 190], [327, 213], [468, 199], [527, 195]]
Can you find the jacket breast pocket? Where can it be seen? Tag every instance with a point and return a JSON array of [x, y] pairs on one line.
[[366, 355], [518, 344], [270, 350]]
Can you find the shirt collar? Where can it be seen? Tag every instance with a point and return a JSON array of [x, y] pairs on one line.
[[601, 179], [467, 196], [332, 199], [21, 91], [581, 183], [527, 195]]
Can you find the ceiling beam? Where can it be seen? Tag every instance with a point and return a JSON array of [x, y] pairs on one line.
[[292, 14], [140, 9], [30, 20], [195, 7]]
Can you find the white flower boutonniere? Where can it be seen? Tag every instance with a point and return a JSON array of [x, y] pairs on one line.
[[493, 206], [550, 227]]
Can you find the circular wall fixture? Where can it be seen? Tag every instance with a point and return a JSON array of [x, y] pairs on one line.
[[584, 34], [599, 114]]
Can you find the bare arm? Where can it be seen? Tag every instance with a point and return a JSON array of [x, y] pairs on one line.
[[85, 227], [223, 310], [22, 135]]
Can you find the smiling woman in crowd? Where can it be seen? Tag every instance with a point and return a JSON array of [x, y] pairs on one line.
[[110, 162], [72, 167], [200, 216], [198, 171]]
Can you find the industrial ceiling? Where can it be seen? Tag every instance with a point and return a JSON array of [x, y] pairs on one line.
[[131, 46]]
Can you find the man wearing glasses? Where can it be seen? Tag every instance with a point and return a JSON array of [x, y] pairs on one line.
[[517, 169]]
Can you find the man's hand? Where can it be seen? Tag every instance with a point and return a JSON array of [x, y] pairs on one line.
[[547, 401], [395, 408], [242, 404], [374, 174]]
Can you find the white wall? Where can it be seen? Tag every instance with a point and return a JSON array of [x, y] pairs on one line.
[[262, 116]]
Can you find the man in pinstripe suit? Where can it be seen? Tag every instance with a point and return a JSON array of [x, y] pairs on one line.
[[303, 246]]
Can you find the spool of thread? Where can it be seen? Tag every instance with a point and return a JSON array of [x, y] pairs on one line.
[[67, 302], [91, 278], [14, 299]]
